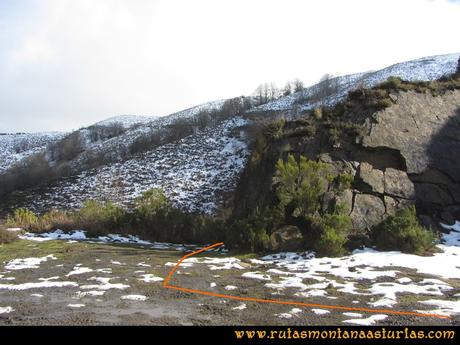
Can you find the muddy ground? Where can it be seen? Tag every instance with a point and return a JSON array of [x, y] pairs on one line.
[[87, 299]]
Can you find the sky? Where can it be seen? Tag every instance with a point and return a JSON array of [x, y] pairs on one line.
[[65, 64]]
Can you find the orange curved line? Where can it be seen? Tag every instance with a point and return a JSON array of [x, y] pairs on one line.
[[261, 300]]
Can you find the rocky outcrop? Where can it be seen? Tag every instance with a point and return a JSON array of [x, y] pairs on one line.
[[405, 154], [288, 238], [398, 184], [410, 125], [368, 210], [425, 130], [372, 179]]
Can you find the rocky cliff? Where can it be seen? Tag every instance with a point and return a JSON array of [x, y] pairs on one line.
[[401, 146]]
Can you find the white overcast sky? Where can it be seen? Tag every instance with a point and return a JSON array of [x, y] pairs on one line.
[[69, 63]]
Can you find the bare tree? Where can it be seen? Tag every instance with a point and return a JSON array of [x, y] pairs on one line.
[[298, 85], [327, 86], [287, 90], [266, 92]]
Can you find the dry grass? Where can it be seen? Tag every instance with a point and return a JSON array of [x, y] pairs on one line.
[[7, 236]]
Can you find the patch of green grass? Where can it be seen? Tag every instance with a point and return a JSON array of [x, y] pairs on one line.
[[245, 255]]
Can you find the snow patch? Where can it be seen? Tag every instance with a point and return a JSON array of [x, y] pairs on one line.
[[134, 297], [367, 322], [28, 263]]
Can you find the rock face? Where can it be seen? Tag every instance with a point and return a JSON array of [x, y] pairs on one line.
[[407, 153], [288, 238], [410, 125], [372, 178], [368, 210], [425, 130], [398, 184]]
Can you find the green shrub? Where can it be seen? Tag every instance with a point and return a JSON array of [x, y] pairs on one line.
[[275, 129], [22, 218], [391, 83], [343, 181], [331, 231], [334, 136], [403, 232], [300, 185], [244, 235], [253, 232], [55, 219], [151, 203], [99, 218]]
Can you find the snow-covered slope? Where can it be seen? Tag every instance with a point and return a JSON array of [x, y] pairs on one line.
[[209, 106], [14, 147], [125, 120], [131, 120], [194, 172], [427, 68]]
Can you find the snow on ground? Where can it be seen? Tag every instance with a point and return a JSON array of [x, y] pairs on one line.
[[242, 306], [353, 314], [150, 278], [80, 235], [345, 274], [443, 307], [366, 263], [40, 285], [14, 147], [75, 305], [368, 321], [256, 275], [2, 277], [27, 263], [104, 284], [79, 270], [125, 120], [81, 294], [295, 311], [6, 310], [194, 173], [284, 316], [320, 311], [427, 68], [143, 264], [215, 264], [134, 297]]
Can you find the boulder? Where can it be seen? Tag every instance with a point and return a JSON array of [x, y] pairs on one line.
[[331, 199], [390, 204], [372, 178], [368, 210], [287, 238], [398, 184]]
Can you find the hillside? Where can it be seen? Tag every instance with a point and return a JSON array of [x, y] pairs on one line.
[[136, 149], [15, 147], [341, 211], [427, 68]]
